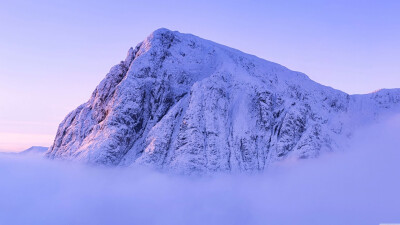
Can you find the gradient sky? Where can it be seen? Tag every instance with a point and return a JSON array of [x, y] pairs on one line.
[[54, 53]]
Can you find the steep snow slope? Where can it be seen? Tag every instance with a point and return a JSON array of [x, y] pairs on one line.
[[185, 104]]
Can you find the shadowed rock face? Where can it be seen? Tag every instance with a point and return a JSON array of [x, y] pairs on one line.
[[188, 105]]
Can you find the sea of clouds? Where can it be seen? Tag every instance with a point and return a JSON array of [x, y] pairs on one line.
[[360, 185]]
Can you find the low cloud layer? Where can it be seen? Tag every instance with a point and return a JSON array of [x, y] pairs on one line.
[[357, 186]]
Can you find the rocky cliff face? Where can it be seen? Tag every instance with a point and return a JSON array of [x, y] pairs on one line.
[[188, 105]]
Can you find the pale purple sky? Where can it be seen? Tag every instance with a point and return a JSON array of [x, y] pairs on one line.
[[54, 53]]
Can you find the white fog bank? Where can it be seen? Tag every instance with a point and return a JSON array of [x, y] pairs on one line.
[[358, 186]]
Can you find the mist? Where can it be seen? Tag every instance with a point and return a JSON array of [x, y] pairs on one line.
[[359, 185]]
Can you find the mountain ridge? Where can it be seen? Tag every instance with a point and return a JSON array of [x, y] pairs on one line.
[[34, 150]]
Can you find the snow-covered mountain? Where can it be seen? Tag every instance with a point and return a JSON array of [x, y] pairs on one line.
[[34, 150], [189, 105]]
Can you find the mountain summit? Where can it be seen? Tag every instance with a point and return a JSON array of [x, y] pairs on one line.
[[184, 104]]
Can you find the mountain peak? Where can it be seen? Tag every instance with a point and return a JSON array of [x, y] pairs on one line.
[[35, 150], [161, 31]]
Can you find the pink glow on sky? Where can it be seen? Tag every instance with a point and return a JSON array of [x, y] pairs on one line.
[[54, 53]]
